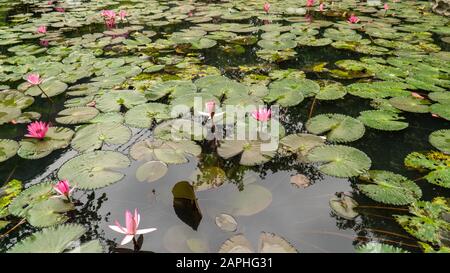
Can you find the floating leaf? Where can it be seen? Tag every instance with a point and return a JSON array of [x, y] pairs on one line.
[[56, 138], [29, 197], [8, 114], [151, 171], [340, 128], [236, 244], [8, 192], [51, 87], [94, 169], [441, 109], [340, 161], [427, 224], [272, 243], [226, 222], [253, 199], [331, 91], [15, 99], [76, 115], [93, 136], [438, 164], [410, 104], [174, 88], [389, 188], [382, 120], [440, 139], [344, 206], [49, 212], [301, 143], [375, 247], [170, 152], [142, 116], [252, 152], [114, 100], [54, 240], [8, 149]]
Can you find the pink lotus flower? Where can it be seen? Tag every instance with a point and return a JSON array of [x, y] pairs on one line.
[[34, 79], [386, 6], [37, 129], [63, 188], [59, 9], [211, 110], [123, 14], [266, 7], [262, 114], [309, 3], [131, 227], [353, 19], [108, 13], [417, 95], [50, 3], [321, 7], [42, 29]]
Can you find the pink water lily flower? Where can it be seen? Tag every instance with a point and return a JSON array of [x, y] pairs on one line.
[[309, 3], [211, 110], [386, 6], [321, 7], [44, 43], [266, 7], [108, 13], [262, 114], [34, 79], [63, 188], [123, 14], [59, 9], [37, 129], [131, 227], [353, 19], [42, 29]]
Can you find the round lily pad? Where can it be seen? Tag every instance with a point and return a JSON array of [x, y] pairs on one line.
[[114, 100], [94, 169], [301, 143], [142, 116], [52, 87], [170, 152], [94, 136], [76, 115], [151, 171], [340, 161], [56, 138], [344, 206], [49, 212], [8, 149], [340, 128], [383, 120], [440, 139], [8, 114], [410, 104], [253, 152]]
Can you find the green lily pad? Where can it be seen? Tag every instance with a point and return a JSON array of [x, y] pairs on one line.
[[76, 115], [389, 188], [301, 143], [375, 247], [331, 91], [440, 109], [8, 192], [175, 88], [340, 128], [94, 170], [93, 136], [290, 92], [440, 139], [52, 87], [382, 120], [340, 161], [8, 149], [177, 129], [56, 138], [151, 171], [379, 90], [114, 100], [410, 104], [253, 199], [344, 206], [56, 240], [436, 163], [252, 151], [142, 116], [8, 114], [29, 197], [427, 223], [49, 212], [15, 99], [170, 152]]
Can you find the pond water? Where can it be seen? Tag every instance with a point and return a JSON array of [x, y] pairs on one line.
[[168, 41]]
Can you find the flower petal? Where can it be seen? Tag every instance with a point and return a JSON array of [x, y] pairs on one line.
[[117, 229], [127, 239], [143, 231]]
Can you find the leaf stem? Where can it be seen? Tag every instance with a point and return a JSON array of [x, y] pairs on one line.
[[45, 93]]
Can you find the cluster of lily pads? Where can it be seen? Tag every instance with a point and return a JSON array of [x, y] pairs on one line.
[[120, 80]]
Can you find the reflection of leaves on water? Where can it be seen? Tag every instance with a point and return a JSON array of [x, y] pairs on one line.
[[88, 215]]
